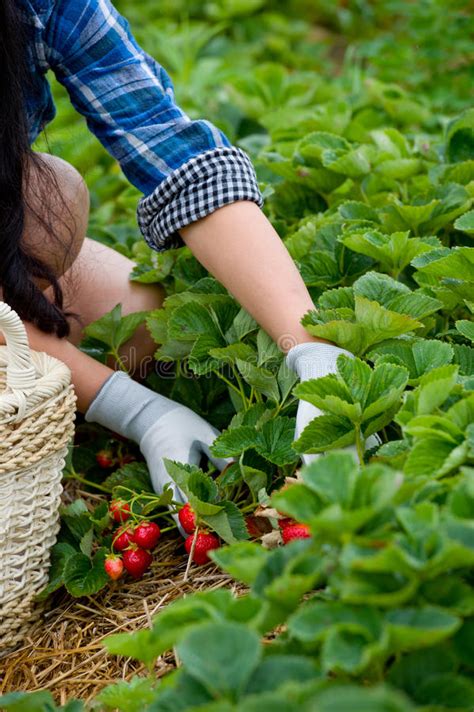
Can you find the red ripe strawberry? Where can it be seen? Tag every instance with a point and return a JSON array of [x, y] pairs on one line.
[[122, 538], [187, 518], [137, 561], [286, 522], [146, 535], [204, 543], [295, 531], [105, 459], [119, 510], [113, 566]]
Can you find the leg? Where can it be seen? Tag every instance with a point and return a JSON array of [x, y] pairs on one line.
[[95, 277], [96, 282]]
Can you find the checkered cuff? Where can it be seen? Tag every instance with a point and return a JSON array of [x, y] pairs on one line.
[[199, 187]]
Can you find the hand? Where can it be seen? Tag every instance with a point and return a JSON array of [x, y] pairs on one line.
[[162, 427], [179, 435], [315, 360]]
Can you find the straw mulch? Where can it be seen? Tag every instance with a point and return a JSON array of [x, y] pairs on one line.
[[64, 652]]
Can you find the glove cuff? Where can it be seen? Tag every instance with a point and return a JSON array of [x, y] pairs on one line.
[[314, 359], [127, 407]]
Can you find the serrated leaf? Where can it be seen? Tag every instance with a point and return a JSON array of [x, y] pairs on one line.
[[242, 561], [83, 577], [419, 357], [466, 328], [412, 628], [326, 432], [466, 222], [229, 523], [60, 553], [259, 378], [274, 441], [133, 475], [229, 354], [130, 696], [394, 252], [114, 329], [222, 656], [233, 442]]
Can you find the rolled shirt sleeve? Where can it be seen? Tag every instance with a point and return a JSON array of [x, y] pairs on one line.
[[186, 168]]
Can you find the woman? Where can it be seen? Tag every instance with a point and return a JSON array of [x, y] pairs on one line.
[[198, 190]]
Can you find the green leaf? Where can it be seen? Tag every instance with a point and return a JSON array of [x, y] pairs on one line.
[[233, 442], [274, 441], [228, 523], [463, 642], [373, 324], [464, 357], [230, 354], [200, 488], [449, 691], [60, 553], [466, 222], [221, 656], [297, 502], [134, 476], [41, 701], [460, 137], [419, 357], [332, 477], [275, 671], [351, 698], [394, 252], [259, 378], [242, 561], [466, 328], [326, 432], [412, 628], [114, 329], [131, 696], [83, 577]]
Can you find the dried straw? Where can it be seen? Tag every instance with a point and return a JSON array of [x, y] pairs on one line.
[[63, 651]]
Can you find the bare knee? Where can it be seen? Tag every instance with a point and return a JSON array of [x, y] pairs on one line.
[[57, 212]]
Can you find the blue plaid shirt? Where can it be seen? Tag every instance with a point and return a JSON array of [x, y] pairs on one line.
[[186, 169]]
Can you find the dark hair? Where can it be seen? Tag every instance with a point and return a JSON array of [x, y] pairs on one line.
[[22, 275]]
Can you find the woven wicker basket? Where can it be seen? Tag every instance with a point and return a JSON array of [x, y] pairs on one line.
[[37, 407]]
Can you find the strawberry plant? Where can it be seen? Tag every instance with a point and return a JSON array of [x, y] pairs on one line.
[[369, 605]]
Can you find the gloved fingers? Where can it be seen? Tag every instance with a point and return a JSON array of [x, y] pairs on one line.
[[373, 441]]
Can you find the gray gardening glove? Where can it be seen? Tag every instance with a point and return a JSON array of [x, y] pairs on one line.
[[315, 360], [161, 427]]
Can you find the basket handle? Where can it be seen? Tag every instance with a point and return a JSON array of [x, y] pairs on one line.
[[21, 374]]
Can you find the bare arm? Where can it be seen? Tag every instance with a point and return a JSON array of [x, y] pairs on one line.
[[239, 246]]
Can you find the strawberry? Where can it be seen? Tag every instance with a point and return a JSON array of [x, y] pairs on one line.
[[205, 542], [295, 531], [146, 535], [137, 561], [105, 459], [187, 518], [285, 522], [113, 566], [122, 538], [119, 510]]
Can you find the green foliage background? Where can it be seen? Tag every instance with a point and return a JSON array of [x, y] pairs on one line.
[[358, 118]]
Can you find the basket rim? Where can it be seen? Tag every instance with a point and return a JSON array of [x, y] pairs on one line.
[[53, 378]]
